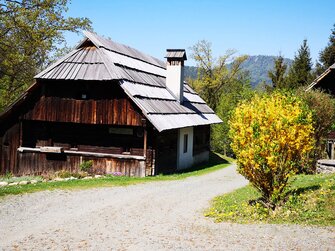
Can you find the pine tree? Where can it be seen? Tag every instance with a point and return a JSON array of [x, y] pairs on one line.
[[327, 55], [300, 73], [277, 75]]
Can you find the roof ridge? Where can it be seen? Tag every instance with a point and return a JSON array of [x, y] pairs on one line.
[[100, 41], [110, 66]]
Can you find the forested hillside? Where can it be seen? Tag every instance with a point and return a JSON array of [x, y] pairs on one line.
[[257, 66]]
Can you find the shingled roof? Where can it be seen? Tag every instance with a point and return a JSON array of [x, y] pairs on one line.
[[141, 76]]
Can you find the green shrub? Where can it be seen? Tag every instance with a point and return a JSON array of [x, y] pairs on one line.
[[8, 175], [86, 165], [322, 106]]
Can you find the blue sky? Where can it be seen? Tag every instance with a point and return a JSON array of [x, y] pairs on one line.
[[259, 27]]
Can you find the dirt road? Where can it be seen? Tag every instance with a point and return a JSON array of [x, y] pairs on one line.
[[153, 216]]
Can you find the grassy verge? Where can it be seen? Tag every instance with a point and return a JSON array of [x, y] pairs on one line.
[[216, 162], [310, 200]]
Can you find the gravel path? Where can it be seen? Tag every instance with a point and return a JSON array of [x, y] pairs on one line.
[[152, 216]]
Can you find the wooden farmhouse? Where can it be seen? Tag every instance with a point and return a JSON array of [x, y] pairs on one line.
[[326, 82], [106, 102]]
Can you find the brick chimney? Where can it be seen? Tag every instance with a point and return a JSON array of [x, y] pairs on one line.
[[175, 72]]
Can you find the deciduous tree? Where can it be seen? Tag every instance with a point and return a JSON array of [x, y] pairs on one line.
[[214, 74], [30, 31], [222, 84], [233, 94]]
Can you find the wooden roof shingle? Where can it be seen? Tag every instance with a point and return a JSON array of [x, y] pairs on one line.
[[141, 76]]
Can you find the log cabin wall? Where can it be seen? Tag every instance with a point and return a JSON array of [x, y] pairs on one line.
[[82, 116], [86, 102], [83, 137], [35, 163], [10, 141]]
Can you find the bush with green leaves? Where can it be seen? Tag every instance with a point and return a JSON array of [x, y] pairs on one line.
[[234, 93], [322, 106], [86, 165]]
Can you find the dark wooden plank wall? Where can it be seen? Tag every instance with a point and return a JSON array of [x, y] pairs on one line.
[[85, 137], [327, 83], [150, 162], [112, 112], [10, 142], [2, 167], [62, 101], [33, 163]]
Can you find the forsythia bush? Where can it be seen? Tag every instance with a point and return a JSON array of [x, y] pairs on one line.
[[271, 136]]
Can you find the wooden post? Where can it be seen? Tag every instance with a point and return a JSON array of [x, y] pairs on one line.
[[153, 159], [2, 169], [145, 135], [17, 155], [21, 132]]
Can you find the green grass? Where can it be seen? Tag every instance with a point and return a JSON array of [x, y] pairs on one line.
[[310, 200], [216, 162]]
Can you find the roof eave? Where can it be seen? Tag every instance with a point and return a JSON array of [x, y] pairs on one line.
[[318, 79], [18, 101], [58, 62]]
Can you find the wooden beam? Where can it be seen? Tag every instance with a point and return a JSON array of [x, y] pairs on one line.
[[51, 149], [88, 154]]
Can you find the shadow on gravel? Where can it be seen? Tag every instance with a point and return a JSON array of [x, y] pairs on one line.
[[214, 159]]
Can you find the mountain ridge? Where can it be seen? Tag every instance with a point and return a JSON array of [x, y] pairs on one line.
[[258, 67]]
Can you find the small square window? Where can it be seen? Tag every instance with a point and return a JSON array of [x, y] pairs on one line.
[[185, 143]]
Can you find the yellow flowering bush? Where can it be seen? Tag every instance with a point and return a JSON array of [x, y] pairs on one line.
[[271, 136]]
